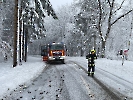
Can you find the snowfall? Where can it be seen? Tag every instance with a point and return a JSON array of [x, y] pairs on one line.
[[122, 75]]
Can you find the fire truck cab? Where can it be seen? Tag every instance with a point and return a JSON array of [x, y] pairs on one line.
[[53, 52]]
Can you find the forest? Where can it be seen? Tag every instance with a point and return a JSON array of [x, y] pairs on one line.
[[103, 25]]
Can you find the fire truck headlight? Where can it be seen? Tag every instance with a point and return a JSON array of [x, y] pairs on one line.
[[51, 58]]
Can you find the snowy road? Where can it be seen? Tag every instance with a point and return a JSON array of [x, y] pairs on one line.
[[63, 82]]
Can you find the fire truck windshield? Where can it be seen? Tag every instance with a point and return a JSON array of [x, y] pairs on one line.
[[56, 47]]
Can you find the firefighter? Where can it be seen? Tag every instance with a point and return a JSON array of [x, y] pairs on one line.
[[91, 62]]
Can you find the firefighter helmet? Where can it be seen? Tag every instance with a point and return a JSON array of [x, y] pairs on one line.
[[93, 51]]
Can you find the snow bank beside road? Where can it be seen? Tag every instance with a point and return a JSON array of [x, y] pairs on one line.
[[11, 78]]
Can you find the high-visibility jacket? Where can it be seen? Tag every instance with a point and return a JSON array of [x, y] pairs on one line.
[[91, 58]]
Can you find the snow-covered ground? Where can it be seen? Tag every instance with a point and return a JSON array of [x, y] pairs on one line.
[[11, 78], [111, 72]]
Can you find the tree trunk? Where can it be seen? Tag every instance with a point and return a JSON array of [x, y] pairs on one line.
[[26, 37], [15, 34], [20, 44], [103, 49], [98, 50], [82, 52], [20, 38], [94, 42], [23, 43]]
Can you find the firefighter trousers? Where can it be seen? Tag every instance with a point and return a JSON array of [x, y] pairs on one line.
[[91, 68]]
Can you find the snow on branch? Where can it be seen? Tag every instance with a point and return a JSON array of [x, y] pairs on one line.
[[121, 17], [5, 49]]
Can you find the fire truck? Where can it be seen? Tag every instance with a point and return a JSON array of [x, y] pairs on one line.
[[53, 52]]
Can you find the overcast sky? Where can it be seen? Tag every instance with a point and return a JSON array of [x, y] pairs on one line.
[[58, 3]]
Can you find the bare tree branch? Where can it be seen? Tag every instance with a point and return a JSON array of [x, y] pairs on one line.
[[120, 6], [109, 3], [109, 19], [113, 1], [121, 17]]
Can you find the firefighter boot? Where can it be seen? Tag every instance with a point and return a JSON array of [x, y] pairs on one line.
[[92, 74], [88, 73]]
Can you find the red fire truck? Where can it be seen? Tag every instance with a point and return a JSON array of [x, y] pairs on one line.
[[53, 52]]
